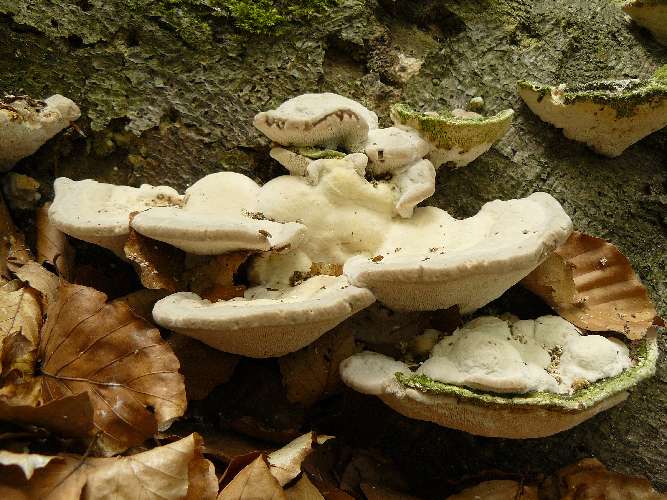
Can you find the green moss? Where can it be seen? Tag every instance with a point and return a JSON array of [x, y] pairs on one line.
[[624, 96], [319, 154], [446, 131], [644, 353]]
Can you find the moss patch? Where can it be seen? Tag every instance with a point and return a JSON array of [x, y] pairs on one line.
[[624, 96], [446, 131], [644, 354]]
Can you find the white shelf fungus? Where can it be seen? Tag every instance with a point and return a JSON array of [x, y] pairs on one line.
[[219, 214], [265, 322], [608, 116], [26, 124], [456, 137], [516, 379], [99, 213], [652, 15], [326, 120], [390, 148]]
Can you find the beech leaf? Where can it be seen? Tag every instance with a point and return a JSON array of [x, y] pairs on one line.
[[52, 244], [590, 283], [120, 360], [254, 482], [303, 490], [165, 472], [312, 373], [20, 321]]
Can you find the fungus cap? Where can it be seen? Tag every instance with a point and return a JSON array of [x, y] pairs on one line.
[[536, 414], [433, 261], [264, 323], [652, 15], [393, 147], [219, 215], [99, 213], [327, 120], [455, 137], [26, 124], [608, 116]]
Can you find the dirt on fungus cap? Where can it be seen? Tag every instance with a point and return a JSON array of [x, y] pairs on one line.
[[219, 214]]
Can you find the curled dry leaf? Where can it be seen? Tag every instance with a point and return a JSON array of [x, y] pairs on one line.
[[589, 479], [20, 321], [255, 481], [159, 265], [27, 462], [303, 490], [590, 283], [203, 367], [165, 267], [286, 462], [498, 490], [13, 251], [312, 373], [142, 301], [121, 361], [40, 279], [165, 472], [53, 247]]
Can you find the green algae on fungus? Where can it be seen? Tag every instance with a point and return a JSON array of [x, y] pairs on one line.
[[644, 354], [319, 154], [608, 115], [458, 138], [651, 14]]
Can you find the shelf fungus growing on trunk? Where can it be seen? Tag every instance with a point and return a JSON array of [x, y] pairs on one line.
[[508, 378], [26, 124], [456, 137], [326, 120], [651, 14], [219, 214], [609, 116], [285, 283], [99, 213]]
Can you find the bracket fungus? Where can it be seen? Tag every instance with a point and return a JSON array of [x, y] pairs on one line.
[[99, 213], [508, 378], [265, 322], [609, 116], [651, 14], [218, 215], [456, 137], [327, 120], [26, 124]]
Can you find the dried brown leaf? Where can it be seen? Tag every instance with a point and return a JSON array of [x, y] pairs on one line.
[[254, 482], [69, 416], [52, 245], [162, 473], [213, 277], [590, 479], [312, 373], [590, 283], [203, 483], [377, 492], [303, 490], [164, 267], [41, 280], [286, 462], [160, 266], [497, 490], [20, 321], [27, 462], [225, 446], [203, 367], [13, 250], [121, 361], [142, 301]]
